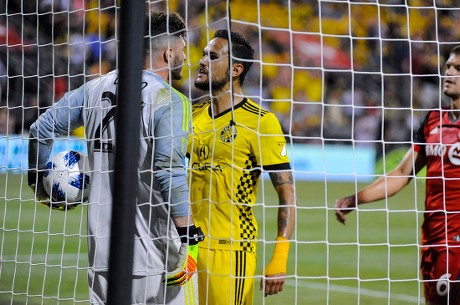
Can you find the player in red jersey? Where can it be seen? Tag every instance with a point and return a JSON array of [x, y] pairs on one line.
[[436, 145]]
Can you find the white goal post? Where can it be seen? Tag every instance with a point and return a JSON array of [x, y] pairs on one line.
[[350, 82]]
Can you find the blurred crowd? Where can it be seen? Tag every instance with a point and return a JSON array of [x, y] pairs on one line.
[[334, 72]]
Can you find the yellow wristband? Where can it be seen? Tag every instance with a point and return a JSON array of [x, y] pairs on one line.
[[280, 256]]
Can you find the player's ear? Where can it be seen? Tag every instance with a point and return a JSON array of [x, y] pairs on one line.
[[166, 55], [237, 69]]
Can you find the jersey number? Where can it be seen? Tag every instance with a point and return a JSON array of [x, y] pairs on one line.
[[106, 144], [442, 286]]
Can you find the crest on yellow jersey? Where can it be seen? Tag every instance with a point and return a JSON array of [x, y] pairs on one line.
[[229, 133]]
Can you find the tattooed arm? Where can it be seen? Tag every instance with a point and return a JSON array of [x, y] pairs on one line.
[[284, 186], [275, 271]]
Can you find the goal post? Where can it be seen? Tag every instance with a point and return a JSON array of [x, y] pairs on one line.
[[350, 82]]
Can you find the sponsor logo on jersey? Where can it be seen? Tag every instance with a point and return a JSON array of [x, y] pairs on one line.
[[229, 133], [198, 166], [435, 150], [202, 151], [454, 154], [440, 150]]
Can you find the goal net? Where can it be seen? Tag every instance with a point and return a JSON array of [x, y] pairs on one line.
[[349, 80]]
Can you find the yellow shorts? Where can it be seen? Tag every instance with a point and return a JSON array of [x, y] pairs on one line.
[[226, 277]]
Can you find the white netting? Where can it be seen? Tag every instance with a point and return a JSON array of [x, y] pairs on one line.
[[349, 81], [46, 49]]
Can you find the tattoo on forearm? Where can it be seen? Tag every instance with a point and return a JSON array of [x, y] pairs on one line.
[[283, 215], [278, 179]]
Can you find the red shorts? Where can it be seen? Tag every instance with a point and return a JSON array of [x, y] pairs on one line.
[[440, 270]]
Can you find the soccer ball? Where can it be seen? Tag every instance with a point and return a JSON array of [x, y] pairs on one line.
[[67, 179]]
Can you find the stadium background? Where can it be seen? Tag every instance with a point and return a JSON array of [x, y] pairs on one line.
[[335, 72], [382, 61]]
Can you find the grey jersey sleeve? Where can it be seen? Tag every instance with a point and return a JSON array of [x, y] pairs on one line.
[[171, 129], [63, 117]]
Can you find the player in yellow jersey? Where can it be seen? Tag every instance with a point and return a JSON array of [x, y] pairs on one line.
[[234, 140]]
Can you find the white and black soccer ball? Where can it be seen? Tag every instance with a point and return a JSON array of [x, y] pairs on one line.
[[67, 179]]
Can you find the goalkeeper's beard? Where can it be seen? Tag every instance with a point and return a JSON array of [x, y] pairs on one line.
[[216, 84], [176, 70]]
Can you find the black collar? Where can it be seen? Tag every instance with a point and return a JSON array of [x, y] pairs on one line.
[[244, 101]]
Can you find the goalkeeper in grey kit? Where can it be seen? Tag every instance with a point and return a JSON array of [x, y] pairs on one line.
[[163, 194]]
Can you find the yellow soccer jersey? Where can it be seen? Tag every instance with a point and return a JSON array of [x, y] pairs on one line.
[[225, 164]]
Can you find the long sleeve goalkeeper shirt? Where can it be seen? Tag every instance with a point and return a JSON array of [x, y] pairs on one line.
[[162, 184]]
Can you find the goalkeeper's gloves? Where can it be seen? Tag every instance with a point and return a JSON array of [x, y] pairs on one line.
[[188, 254], [278, 262], [35, 181]]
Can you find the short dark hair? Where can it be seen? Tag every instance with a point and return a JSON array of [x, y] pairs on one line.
[[242, 51], [455, 50], [159, 26]]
